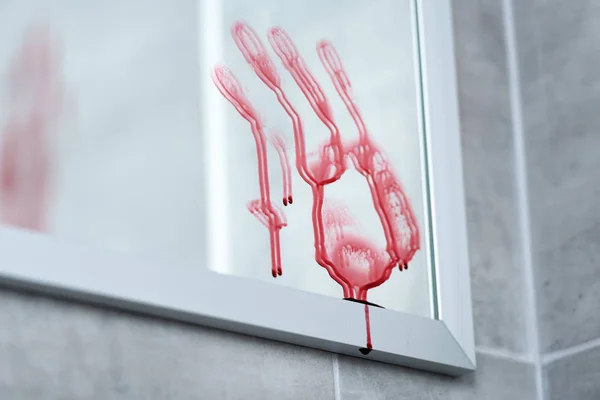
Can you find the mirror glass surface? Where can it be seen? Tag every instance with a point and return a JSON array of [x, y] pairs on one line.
[[253, 138]]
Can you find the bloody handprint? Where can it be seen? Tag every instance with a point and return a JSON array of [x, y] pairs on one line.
[[351, 259], [35, 104]]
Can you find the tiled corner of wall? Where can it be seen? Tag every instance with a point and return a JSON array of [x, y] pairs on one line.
[[559, 61], [488, 161], [561, 103]]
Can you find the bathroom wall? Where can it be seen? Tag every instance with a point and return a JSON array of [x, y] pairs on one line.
[[558, 45], [57, 349]]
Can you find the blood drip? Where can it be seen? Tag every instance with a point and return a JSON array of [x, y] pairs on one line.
[[266, 212], [368, 323], [286, 171]]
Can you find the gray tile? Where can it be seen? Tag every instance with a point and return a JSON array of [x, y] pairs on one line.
[[56, 350], [569, 291], [527, 33], [574, 377], [561, 99], [488, 160], [494, 379]]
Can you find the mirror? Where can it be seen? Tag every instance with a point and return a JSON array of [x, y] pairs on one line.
[[174, 158], [116, 161], [315, 149], [258, 139]]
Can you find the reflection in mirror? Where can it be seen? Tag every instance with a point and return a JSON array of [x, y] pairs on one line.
[[272, 140], [99, 124]]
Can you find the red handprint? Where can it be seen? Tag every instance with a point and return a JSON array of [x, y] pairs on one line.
[[350, 259], [35, 104]]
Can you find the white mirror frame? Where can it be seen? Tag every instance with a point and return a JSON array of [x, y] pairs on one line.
[[197, 295]]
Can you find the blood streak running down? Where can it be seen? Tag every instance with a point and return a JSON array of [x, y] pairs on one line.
[[351, 259], [286, 171], [35, 105], [263, 209]]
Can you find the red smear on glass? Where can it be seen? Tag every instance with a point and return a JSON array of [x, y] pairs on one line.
[[257, 57], [330, 166], [266, 212], [392, 206], [352, 260]]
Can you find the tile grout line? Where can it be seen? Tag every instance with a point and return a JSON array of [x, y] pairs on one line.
[[337, 393], [504, 354], [516, 107], [570, 351]]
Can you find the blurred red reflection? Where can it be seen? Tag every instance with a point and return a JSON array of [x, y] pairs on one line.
[[35, 100]]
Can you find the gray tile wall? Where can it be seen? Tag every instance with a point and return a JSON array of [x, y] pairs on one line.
[[574, 376], [51, 349], [488, 162], [558, 43], [495, 379]]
